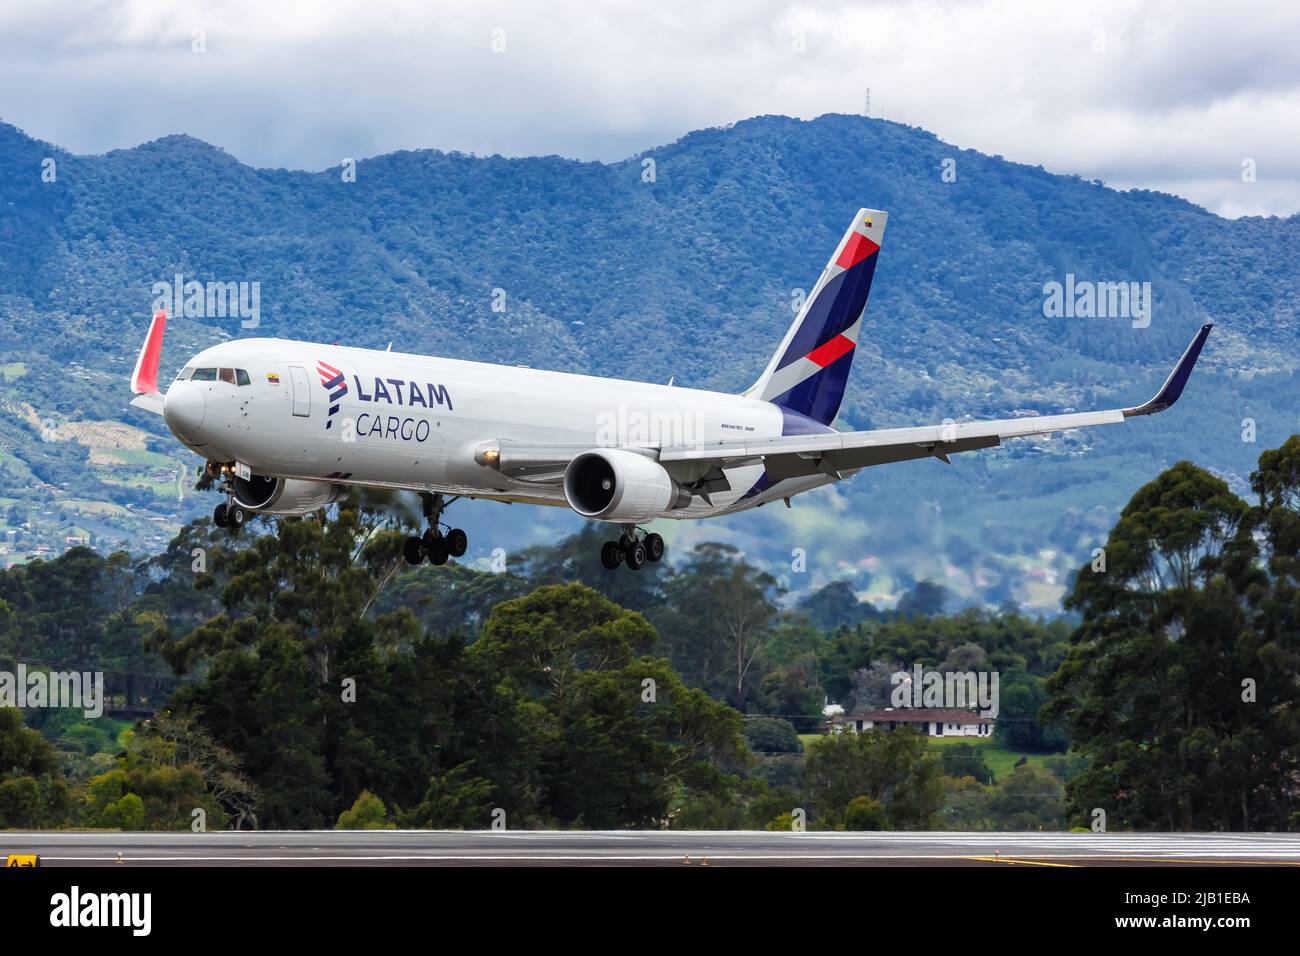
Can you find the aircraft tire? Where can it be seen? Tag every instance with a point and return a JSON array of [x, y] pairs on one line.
[[611, 555], [436, 550]]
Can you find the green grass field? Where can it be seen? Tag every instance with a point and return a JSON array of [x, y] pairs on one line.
[[998, 758]]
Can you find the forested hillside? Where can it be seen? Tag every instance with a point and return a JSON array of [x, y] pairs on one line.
[[679, 262]]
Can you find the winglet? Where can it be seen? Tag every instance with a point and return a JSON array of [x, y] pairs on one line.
[[145, 377], [1173, 386]]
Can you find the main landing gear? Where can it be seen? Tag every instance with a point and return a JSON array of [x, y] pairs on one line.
[[434, 544], [631, 550]]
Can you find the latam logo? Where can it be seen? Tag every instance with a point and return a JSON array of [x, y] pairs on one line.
[[336, 384], [400, 391]]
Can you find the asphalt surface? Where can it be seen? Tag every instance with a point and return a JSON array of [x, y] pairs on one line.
[[648, 848]]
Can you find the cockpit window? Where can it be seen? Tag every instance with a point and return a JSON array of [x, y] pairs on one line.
[[231, 376]]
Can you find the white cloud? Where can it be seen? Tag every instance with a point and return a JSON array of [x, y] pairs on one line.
[[1164, 95]]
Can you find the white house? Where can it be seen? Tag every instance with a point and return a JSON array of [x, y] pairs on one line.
[[934, 721]]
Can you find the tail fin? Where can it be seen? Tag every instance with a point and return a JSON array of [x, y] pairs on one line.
[[808, 373]]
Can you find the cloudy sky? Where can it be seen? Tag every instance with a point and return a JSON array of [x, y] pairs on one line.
[[1166, 95]]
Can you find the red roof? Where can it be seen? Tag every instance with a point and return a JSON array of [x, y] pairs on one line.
[[910, 715]]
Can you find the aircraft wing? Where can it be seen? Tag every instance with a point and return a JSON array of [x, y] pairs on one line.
[[698, 467], [799, 455]]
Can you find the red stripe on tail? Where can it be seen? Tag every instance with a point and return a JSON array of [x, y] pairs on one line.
[[855, 250], [828, 352]]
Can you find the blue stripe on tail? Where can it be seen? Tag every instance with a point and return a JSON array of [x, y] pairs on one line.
[[835, 309]]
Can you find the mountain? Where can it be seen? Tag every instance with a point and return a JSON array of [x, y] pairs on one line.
[[682, 261]]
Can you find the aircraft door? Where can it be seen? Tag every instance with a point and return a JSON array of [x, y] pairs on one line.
[[301, 391]]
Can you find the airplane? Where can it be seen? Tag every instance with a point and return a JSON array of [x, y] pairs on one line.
[[289, 427]]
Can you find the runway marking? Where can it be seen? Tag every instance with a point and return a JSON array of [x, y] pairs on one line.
[[1007, 859], [1183, 859]]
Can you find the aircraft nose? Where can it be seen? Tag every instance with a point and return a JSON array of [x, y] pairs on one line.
[[183, 409]]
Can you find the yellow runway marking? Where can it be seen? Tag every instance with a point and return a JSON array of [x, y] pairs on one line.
[[1167, 860], [1008, 859], [1180, 859]]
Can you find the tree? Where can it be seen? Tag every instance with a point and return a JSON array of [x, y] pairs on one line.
[[1029, 798], [965, 804], [772, 735], [965, 760], [896, 768], [864, 813], [1152, 687], [33, 793], [723, 603], [295, 631], [455, 800], [368, 813], [1021, 698], [616, 736], [543, 640], [169, 769], [836, 604]]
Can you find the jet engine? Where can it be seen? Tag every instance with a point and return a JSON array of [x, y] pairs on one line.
[[613, 484], [285, 496]]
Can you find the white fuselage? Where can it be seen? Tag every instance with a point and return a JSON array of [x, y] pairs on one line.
[[412, 421]]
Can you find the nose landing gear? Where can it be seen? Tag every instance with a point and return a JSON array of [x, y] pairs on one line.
[[631, 550], [434, 544], [230, 513]]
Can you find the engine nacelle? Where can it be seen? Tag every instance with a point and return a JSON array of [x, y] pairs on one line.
[[285, 496], [617, 485]]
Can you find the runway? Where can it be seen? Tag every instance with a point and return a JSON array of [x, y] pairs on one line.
[[650, 848]]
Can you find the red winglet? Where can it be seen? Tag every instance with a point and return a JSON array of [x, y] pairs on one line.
[[145, 377]]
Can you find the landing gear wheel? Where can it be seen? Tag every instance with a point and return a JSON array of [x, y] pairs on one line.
[[457, 542], [413, 550], [611, 555], [236, 515], [654, 546], [635, 556], [219, 515], [436, 549]]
